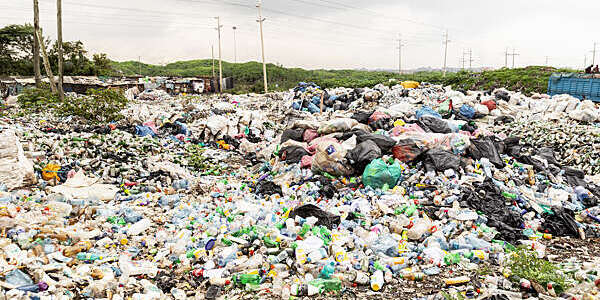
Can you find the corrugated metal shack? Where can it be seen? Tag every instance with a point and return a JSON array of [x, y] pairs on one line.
[[11, 86]]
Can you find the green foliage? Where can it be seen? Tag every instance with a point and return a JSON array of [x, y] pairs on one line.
[[15, 49], [527, 80], [526, 264], [98, 106], [102, 64], [198, 161], [16, 55], [447, 296], [195, 158], [37, 99], [248, 76]]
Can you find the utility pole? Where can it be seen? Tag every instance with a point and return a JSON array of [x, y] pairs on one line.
[[400, 54], [513, 57], [594, 55], [61, 92], [584, 61], [446, 41], [220, 61], [262, 43], [546, 61], [36, 44], [212, 55], [506, 58], [234, 46], [470, 59], [462, 60], [46, 62]]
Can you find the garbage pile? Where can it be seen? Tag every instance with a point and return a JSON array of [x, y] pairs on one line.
[[153, 95], [310, 97], [420, 192]]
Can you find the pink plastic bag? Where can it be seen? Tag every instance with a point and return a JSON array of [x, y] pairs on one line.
[[309, 135], [306, 161]]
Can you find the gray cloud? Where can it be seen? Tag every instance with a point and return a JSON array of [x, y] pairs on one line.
[[328, 33]]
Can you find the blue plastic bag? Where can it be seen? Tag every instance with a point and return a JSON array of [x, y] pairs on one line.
[[427, 111], [182, 128], [316, 100], [144, 131], [467, 111], [313, 108]]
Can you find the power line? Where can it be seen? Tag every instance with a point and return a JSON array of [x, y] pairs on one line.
[[380, 14], [303, 17]]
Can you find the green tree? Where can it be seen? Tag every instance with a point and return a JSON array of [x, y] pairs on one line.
[[16, 49], [102, 64]]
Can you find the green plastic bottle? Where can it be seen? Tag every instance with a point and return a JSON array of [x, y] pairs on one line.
[[379, 266], [327, 285], [410, 210], [270, 243], [452, 258], [509, 195], [305, 228], [241, 279]]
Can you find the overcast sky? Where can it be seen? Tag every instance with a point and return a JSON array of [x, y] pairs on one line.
[[328, 33]]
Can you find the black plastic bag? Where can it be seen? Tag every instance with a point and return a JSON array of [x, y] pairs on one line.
[[511, 146], [574, 177], [485, 147], [363, 154], [385, 143], [561, 223], [469, 127], [340, 106], [442, 160], [502, 95], [293, 154], [434, 124], [268, 188], [489, 200], [503, 120], [497, 297], [309, 210], [362, 116], [548, 154], [292, 134], [327, 188]]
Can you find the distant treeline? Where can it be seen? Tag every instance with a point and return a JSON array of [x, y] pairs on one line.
[[16, 59]]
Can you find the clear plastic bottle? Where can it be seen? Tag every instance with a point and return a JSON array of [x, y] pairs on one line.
[[420, 229], [377, 280], [18, 278], [138, 267], [139, 227]]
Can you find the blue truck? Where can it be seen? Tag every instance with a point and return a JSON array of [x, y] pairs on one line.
[[577, 85]]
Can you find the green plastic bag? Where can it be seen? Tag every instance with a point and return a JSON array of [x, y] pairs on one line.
[[445, 108], [378, 173]]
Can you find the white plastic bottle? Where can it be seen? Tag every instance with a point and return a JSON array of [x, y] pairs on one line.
[[139, 227]]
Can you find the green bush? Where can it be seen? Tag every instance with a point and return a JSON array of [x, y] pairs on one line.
[[38, 99], [98, 106], [526, 264]]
